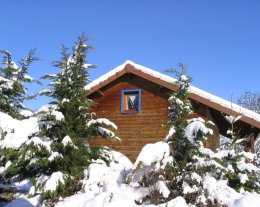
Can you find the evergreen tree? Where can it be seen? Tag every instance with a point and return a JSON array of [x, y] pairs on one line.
[[59, 151], [179, 111], [70, 97], [12, 83], [67, 89]]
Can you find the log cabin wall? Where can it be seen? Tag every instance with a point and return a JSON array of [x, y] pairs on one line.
[[138, 129]]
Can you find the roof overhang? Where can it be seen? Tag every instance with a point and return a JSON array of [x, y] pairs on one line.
[[195, 94]]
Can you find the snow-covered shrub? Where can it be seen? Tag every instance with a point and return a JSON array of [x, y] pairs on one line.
[[148, 172], [239, 167]]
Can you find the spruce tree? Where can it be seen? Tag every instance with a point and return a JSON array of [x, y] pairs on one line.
[[179, 111], [67, 89], [13, 80], [60, 149]]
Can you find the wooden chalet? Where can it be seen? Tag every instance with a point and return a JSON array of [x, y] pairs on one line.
[[135, 98]]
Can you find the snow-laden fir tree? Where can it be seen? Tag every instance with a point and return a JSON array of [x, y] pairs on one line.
[[13, 80], [187, 137], [179, 111], [55, 157], [67, 88]]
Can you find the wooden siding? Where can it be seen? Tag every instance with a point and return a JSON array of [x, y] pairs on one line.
[[135, 130], [139, 129]]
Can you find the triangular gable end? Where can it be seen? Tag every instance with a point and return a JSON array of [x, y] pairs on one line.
[[196, 94]]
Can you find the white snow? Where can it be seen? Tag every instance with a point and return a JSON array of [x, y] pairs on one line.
[[103, 131], [52, 183], [6, 83], [66, 141], [154, 153], [163, 189], [243, 178], [26, 113], [52, 110], [39, 142], [28, 77], [55, 155], [76, 200], [13, 65], [57, 115], [193, 128], [195, 176], [103, 121], [86, 65], [170, 133], [44, 91], [220, 191], [210, 97], [248, 155], [17, 132], [65, 100], [243, 165], [232, 119], [249, 200], [24, 185], [99, 123]]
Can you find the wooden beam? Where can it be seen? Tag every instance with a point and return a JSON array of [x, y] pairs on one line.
[[252, 142]]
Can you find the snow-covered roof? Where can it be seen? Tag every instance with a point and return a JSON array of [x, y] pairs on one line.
[[194, 91]]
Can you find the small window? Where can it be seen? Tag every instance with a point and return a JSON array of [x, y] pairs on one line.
[[131, 101]]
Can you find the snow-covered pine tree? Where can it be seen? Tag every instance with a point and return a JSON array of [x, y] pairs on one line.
[[54, 159], [13, 80], [187, 136], [179, 111], [67, 88]]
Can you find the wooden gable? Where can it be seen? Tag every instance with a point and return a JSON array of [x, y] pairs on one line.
[[134, 129]]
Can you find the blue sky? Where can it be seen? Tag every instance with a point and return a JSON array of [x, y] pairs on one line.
[[219, 40]]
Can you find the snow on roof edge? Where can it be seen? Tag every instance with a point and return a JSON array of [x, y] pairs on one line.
[[227, 104]]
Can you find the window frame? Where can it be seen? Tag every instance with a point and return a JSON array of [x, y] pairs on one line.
[[123, 92]]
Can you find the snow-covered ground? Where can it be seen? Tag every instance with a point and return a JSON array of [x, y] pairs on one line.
[[116, 184]]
